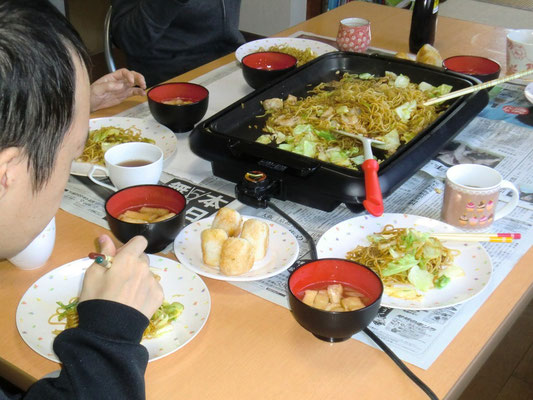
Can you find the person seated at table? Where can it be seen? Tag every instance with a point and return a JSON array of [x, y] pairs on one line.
[[165, 38], [44, 114]]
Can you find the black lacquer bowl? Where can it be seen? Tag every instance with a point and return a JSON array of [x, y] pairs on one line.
[[261, 68], [334, 326], [182, 117], [482, 68], [158, 234]]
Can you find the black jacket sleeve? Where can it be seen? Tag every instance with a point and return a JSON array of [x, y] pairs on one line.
[[102, 358]]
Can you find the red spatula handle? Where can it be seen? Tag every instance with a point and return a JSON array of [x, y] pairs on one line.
[[374, 200]]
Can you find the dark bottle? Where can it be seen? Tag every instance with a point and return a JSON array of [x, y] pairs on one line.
[[423, 24]]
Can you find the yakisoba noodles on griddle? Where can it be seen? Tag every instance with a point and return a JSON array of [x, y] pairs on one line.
[[388, 108], [409, 262]]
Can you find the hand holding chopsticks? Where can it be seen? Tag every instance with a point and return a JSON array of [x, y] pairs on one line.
[[477, 237], [105, 261], [125, 279], [475, 88]]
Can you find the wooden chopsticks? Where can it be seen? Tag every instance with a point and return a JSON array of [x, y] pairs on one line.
[[475, 88], [477, 237]]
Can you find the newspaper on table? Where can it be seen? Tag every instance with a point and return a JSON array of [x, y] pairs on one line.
[[505, 144], [500, 137]]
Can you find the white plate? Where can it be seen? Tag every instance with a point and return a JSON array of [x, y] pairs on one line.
[[163, 137], [301, 44], [528, 91], [63, 283], [474, 259], [282, 252]]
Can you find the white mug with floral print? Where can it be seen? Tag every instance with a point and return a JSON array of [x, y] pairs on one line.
[[519, 50]]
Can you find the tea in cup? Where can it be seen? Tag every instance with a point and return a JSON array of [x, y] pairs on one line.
[[353, 35], [471, 196], [130, 164]]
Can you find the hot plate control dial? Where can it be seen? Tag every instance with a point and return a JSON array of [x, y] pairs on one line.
[[255, 189]]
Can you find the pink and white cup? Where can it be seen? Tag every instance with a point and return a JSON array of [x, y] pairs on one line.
[[519, 50], [471, 196], [353, 35]]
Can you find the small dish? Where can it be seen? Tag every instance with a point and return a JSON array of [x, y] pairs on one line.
[[263, 67], [282, 252], [178, 105], [482, 68]]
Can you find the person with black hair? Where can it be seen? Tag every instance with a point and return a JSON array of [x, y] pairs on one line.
[[44, 116], [165, 38]]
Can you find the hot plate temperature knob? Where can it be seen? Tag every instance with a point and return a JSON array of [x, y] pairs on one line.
[[255, 189]]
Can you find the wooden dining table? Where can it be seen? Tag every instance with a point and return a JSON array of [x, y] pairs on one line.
[[251, 348]]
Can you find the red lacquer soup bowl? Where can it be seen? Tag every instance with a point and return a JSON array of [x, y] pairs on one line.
[[334, 326], [178, 105], [158, 234], [261, 68]]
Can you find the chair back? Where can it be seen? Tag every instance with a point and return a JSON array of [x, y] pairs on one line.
[[108, 43]]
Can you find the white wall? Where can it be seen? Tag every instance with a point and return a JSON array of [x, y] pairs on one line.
[[267, 17], [487, 13]]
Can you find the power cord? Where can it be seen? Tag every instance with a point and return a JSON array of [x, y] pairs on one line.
[[400, 364], [255, 190], [307, 236]]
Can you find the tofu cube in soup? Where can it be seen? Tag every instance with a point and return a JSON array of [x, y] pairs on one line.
[[352, 303], [334, 307], [334, 297], [321, 300], [335, 293], [309, 297]]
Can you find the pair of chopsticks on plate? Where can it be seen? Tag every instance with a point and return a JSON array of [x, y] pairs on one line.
[[477, 237], [475, 88], [105, 261]]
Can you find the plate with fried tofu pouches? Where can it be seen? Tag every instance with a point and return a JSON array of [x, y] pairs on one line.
[[234, 247]]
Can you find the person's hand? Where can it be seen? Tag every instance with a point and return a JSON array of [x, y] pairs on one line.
[[113, 88], [128, 280]]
